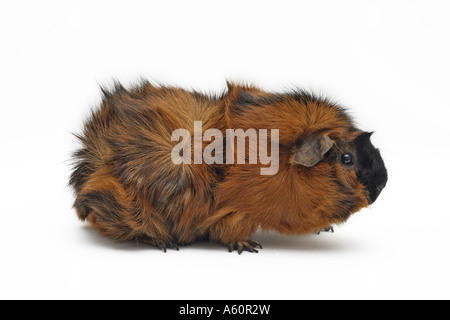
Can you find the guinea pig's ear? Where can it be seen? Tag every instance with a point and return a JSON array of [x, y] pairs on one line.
[[309, 151]]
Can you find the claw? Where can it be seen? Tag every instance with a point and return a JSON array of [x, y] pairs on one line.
[[162, 246], [253, 250], [255, 244], [159, 244], [240, 247]]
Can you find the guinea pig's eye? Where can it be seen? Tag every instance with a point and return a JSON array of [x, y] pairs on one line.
[[347, 159]]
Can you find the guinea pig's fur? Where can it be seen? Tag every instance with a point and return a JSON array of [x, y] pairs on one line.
[[128, 187]]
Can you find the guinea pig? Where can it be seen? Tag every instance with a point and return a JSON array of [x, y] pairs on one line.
[[132, 184]]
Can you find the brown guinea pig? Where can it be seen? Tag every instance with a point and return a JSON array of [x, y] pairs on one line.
[[131, 182]]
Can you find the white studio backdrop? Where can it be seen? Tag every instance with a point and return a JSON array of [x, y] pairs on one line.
[[387, 61]]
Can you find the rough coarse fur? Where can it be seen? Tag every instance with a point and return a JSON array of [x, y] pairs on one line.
[[128, 188]]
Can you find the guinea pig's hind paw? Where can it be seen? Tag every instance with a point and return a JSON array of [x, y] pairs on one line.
[[241, 246], [327, 229]]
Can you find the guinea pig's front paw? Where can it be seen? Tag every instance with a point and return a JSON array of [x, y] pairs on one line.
[[247, 245], [327, 229]]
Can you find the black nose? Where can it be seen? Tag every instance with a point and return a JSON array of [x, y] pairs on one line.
[[381, 186], [375, 192]]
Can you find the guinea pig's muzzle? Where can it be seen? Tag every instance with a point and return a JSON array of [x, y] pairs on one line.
[[371, 170]]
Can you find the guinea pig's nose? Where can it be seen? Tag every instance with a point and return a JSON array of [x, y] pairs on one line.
[[376, 190], [380, 187]]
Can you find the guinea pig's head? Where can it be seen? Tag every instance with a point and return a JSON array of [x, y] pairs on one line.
[[352, 167]]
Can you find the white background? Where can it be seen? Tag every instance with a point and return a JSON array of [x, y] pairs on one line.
[[387, 61]]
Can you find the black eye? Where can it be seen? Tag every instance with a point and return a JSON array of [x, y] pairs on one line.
[[347, 159]]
